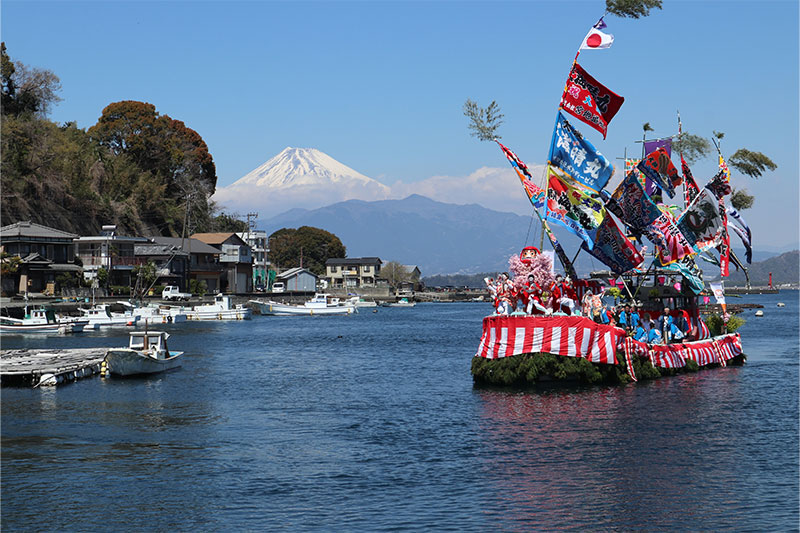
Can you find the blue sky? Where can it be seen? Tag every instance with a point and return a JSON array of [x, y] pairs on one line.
[[379, 86]]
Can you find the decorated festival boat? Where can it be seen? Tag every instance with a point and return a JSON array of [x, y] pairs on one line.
[[551, 327]]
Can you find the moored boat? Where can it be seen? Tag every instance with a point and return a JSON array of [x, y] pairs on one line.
[[360, 302], [157, 314], [402, 302], [320, 304], [101, 316], [222, 309], [41, 321], [147, 353]]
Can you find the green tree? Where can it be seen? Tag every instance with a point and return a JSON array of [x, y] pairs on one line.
[[631, 8], [692, 147], [395, 272], [483, 122], [224, 223], [311, 246], [740, 199], [26, 89]]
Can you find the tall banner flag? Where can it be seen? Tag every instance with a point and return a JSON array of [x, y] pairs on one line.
[[569, 268], [748, 248], [588, 100], [613, 249], [597, 39], [725, 243], [534, 192], [576, 156], [568, 205], [701, 221], [655, 144], [718, 288], [690, 188], [658, 167]]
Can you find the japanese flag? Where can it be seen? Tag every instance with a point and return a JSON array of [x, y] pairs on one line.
[[597, 39]]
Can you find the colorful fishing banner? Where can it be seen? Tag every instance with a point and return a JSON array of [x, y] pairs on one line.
[[671, 244], [534, 192], [576, 156], [658, 167], [588, 100], [690, 188], [687, 267], [639, 212], [701, 221], [613, 249], [571, 206], [633, 205], [719, 185]]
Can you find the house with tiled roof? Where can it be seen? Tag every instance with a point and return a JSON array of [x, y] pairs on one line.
[[235, 258], [353, 272], [41, 253]]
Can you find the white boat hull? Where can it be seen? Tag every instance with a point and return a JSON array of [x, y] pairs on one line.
[[279, 309], [222, 314], [36, 328], [127, 362]]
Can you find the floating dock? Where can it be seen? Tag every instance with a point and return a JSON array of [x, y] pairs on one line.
[[28, 367]]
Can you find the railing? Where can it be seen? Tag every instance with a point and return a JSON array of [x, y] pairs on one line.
[[90, 260]]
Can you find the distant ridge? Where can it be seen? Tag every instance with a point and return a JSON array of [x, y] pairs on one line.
[[436, 236]]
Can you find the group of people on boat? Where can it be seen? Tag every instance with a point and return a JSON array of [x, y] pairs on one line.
[[560, 298]]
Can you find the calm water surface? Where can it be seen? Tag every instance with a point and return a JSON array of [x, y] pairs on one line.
[[371, 423]]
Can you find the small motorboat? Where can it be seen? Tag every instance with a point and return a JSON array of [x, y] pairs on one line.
[[41, 321], [101, 316], [320, 304], [223, 308], [359, 302], [759, 313], [402, 302], [147, 353], [781, 304]]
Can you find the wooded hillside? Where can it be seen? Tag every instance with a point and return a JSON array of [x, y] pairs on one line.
[[137, 168]]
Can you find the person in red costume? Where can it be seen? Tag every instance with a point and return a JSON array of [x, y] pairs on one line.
[[506, 294], [568, 296], [533, 295]]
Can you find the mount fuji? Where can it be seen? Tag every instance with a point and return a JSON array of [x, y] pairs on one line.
[[298, 177]]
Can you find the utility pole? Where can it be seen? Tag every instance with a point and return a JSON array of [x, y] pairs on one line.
[[251, 223]]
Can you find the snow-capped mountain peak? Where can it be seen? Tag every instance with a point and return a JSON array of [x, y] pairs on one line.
[[305, 166]]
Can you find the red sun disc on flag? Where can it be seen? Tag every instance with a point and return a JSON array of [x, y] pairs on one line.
[[594, 40]]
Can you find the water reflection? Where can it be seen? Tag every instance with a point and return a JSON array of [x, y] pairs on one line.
[[616, 457]]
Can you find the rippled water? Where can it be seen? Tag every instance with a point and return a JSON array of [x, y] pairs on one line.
[[371, 422]]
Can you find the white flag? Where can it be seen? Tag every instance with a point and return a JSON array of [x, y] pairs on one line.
[[597, 39]]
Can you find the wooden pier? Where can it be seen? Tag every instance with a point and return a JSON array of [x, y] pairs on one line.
[[28, 367]]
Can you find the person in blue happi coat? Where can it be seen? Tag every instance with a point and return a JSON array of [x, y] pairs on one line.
[[624, 317], [654, 335], [634, 317], [640, 334]]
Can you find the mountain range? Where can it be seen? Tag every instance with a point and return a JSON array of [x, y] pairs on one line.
[[437, 237]]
